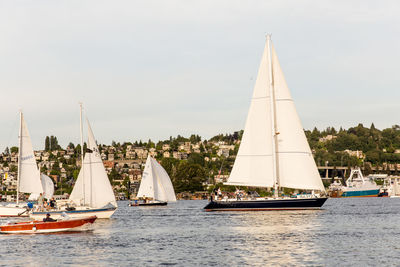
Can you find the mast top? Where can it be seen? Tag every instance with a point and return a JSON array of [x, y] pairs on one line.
[[268, 36]]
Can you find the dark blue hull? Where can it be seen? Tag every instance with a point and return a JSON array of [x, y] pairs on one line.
[[270, 204]]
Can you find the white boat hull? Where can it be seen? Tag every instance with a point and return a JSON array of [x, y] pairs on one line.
[[105, 213], [13, 211]]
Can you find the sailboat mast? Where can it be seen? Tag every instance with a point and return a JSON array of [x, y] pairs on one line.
[[19, 153], [91, 183], [82, 170], [275, 161]]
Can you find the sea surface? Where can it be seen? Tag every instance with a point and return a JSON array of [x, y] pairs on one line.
[[346, 232]]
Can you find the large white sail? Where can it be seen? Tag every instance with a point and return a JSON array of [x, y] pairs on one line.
[[164, 182], [155, 182], [93, 188], [29, 178], [254, 164], [48, 186], [146, 188], [297, 168]]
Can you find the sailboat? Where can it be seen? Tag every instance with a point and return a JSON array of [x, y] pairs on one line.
[[155, 188], [274, 152], [29, 179], [92, 194]]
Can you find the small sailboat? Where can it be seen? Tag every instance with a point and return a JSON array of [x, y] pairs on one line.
[[41, 227], [29, 179], [394, 187], [92, 194], [274, 152], [156, 187]]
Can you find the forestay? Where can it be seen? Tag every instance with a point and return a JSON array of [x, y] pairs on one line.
[[93, 188]]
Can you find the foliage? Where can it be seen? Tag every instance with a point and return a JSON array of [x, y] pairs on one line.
[[189, 177]]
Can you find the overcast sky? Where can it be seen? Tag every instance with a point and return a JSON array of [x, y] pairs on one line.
[[152, 69]]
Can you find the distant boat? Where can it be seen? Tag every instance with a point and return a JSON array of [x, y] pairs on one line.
[[92, 194], [359, 186], [394, 187], [274, 152], [29, 179], [156, 187], [40, 227]]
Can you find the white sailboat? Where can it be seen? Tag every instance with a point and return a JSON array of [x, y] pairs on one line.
[[29, 179], [92, 193], [156, 186], [274, 151]]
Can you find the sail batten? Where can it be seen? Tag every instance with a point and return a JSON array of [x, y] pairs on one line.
[[274, 148]]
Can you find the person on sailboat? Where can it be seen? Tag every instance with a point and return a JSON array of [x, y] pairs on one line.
[[237, 193], [52, 203], [40, 202], [219, 193]]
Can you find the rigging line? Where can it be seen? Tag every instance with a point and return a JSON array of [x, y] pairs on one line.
[[12, 131]]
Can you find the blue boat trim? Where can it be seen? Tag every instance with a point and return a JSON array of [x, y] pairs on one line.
[[72, 211], [361, 193]]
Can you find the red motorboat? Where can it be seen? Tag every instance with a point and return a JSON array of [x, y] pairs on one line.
[[36, 227]]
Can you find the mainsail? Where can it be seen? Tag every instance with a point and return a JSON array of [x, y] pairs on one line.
[[29, 178], [156, 183], [274, 148], [93, 188]]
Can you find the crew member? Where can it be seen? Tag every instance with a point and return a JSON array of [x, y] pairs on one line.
[[48, 219]]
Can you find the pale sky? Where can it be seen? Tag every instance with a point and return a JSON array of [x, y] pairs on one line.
[[152, 69]]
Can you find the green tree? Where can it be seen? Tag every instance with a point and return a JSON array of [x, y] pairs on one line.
[[47, 144], [189, 177]]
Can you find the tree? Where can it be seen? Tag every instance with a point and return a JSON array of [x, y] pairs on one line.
[[14, 149], [168, 165], [114, 175], [150, 144], [71, 145], [47, 144], [54, 143], [196, 158], [189, 177]]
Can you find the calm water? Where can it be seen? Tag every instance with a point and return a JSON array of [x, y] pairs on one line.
[[347, 232]]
